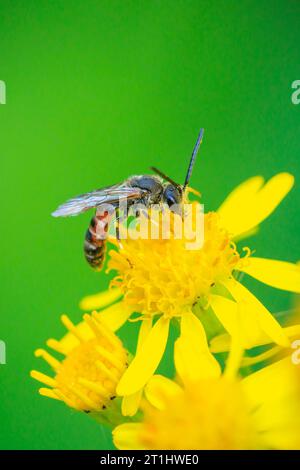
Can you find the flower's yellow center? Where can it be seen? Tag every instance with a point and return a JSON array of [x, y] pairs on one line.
[[210, 414], [87, 374], [164, 276], [95, 359]]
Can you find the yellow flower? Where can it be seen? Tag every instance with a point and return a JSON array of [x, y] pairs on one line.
[[162, 280], [94, 360], [164, 276], [260, 411]]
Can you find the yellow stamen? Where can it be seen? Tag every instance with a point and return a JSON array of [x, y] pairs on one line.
[[61, 396], [54, 363], [105, 370], [94, 387], [55, 345], [89, 404], [45, 379], [113, 360], [47, 392], [104, 331], [71, 327]]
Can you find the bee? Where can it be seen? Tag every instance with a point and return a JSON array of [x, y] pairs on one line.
[[141, 189]]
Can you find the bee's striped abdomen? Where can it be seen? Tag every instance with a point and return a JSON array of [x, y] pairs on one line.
[[95, 240]]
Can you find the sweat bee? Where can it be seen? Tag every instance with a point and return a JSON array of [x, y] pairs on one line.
[[141, 189]]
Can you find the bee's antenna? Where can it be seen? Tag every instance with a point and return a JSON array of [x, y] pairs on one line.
[[193, 158], [160, 173]]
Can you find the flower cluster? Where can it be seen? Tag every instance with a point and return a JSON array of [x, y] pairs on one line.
[[160, 283]]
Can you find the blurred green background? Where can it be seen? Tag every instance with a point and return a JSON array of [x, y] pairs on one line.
[[98, 90]]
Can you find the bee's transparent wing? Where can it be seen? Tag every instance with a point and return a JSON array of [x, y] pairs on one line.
[[84, 202]]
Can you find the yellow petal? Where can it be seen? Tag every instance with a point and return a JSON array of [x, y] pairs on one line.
[[237, 200], [250, 203], [253, 231], [235, 356], [226, 312], [273, 396], [231, 316], [159, 388], [237, 347], [247, 329], [147, 359], [193, 359], [274, 191], [126, 436], [256, 312], [279, 274], [100, 300], [116, 315], [131, 403], [144, 332], [241, 195], [221, 343], [292, 331]]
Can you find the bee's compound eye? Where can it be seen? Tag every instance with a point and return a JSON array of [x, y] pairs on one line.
[[172, 195]]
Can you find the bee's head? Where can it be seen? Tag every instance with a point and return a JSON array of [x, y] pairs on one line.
[[172, 194]]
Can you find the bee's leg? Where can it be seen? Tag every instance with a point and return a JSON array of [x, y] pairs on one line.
[[118, 218]]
